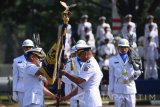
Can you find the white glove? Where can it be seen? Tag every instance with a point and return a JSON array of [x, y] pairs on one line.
[[110, 94], [15, 96], [42, 78], [137, 74]]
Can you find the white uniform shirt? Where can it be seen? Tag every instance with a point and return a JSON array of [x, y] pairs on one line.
[[155, 28], [68, 38], [92, 74], [154, 36], [72, 72], [116, 78], [151, 52], [81, 27], [108, 49], [124, 27], [104, 63], [131, 33], [33, 86], [90, 34], [107, 35], [141, 51], [91, 41], [78, 64], [100, 30], [19, 65]]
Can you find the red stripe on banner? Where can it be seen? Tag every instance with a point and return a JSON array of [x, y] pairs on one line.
[[116, 20], [116, 27]]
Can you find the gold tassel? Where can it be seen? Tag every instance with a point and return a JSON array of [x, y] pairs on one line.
[[72, 65]]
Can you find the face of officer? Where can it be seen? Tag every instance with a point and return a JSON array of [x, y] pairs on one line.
[[102, 21], [84, 19], [123, 49], [129, 19], [84, 55], [35, 59], [150, 20], [80, 55]]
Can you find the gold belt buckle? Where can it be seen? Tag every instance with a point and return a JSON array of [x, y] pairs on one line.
[[125, 81]]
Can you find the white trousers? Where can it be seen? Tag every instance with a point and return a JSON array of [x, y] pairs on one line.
[[150, 69], [74, 102], [124, 100], [34, 105], [20, 99]]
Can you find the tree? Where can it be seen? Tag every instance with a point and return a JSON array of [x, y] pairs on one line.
[[139, 9]]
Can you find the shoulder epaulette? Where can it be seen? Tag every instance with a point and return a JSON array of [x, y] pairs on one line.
[[88, 61]]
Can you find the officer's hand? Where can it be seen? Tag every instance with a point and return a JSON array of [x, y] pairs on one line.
[[54, 97], [64, 98], [15, 96], [137, 73], [45, 83], [42, 78], [62, 72]]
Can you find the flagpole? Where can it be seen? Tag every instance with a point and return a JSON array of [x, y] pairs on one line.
[[61, 60]]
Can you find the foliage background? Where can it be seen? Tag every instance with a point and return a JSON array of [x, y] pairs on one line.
[[19, 19]]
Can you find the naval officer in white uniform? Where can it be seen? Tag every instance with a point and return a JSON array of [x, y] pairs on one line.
[[34, 82], [89, 77], [19, 65], [122, 88]]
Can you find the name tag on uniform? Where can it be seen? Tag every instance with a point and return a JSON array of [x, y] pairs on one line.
[[116, 62]]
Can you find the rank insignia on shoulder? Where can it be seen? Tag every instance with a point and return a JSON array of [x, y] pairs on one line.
[[88, 61], [20, 62], [116, 62], [85, 68]]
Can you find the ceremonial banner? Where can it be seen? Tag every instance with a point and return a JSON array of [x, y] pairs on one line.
[[49, 64]]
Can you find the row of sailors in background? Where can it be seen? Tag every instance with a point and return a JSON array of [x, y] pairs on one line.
[[103, 32], [104, 43], [146, 48]]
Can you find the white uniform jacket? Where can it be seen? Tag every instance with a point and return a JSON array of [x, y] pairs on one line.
[[151, 52], [81, 26], [117, 80], [154, 37], [124, 27], [108, 49], [155, 27], [72, 72], [19, 65], [91, 72], [33, 86], [131, 33], [100, 30], [68, 41]]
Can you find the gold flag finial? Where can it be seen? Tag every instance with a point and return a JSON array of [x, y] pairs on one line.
[[66, 6], [66, 13]]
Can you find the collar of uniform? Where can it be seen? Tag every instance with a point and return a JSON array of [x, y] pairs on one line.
[[88, 61]]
